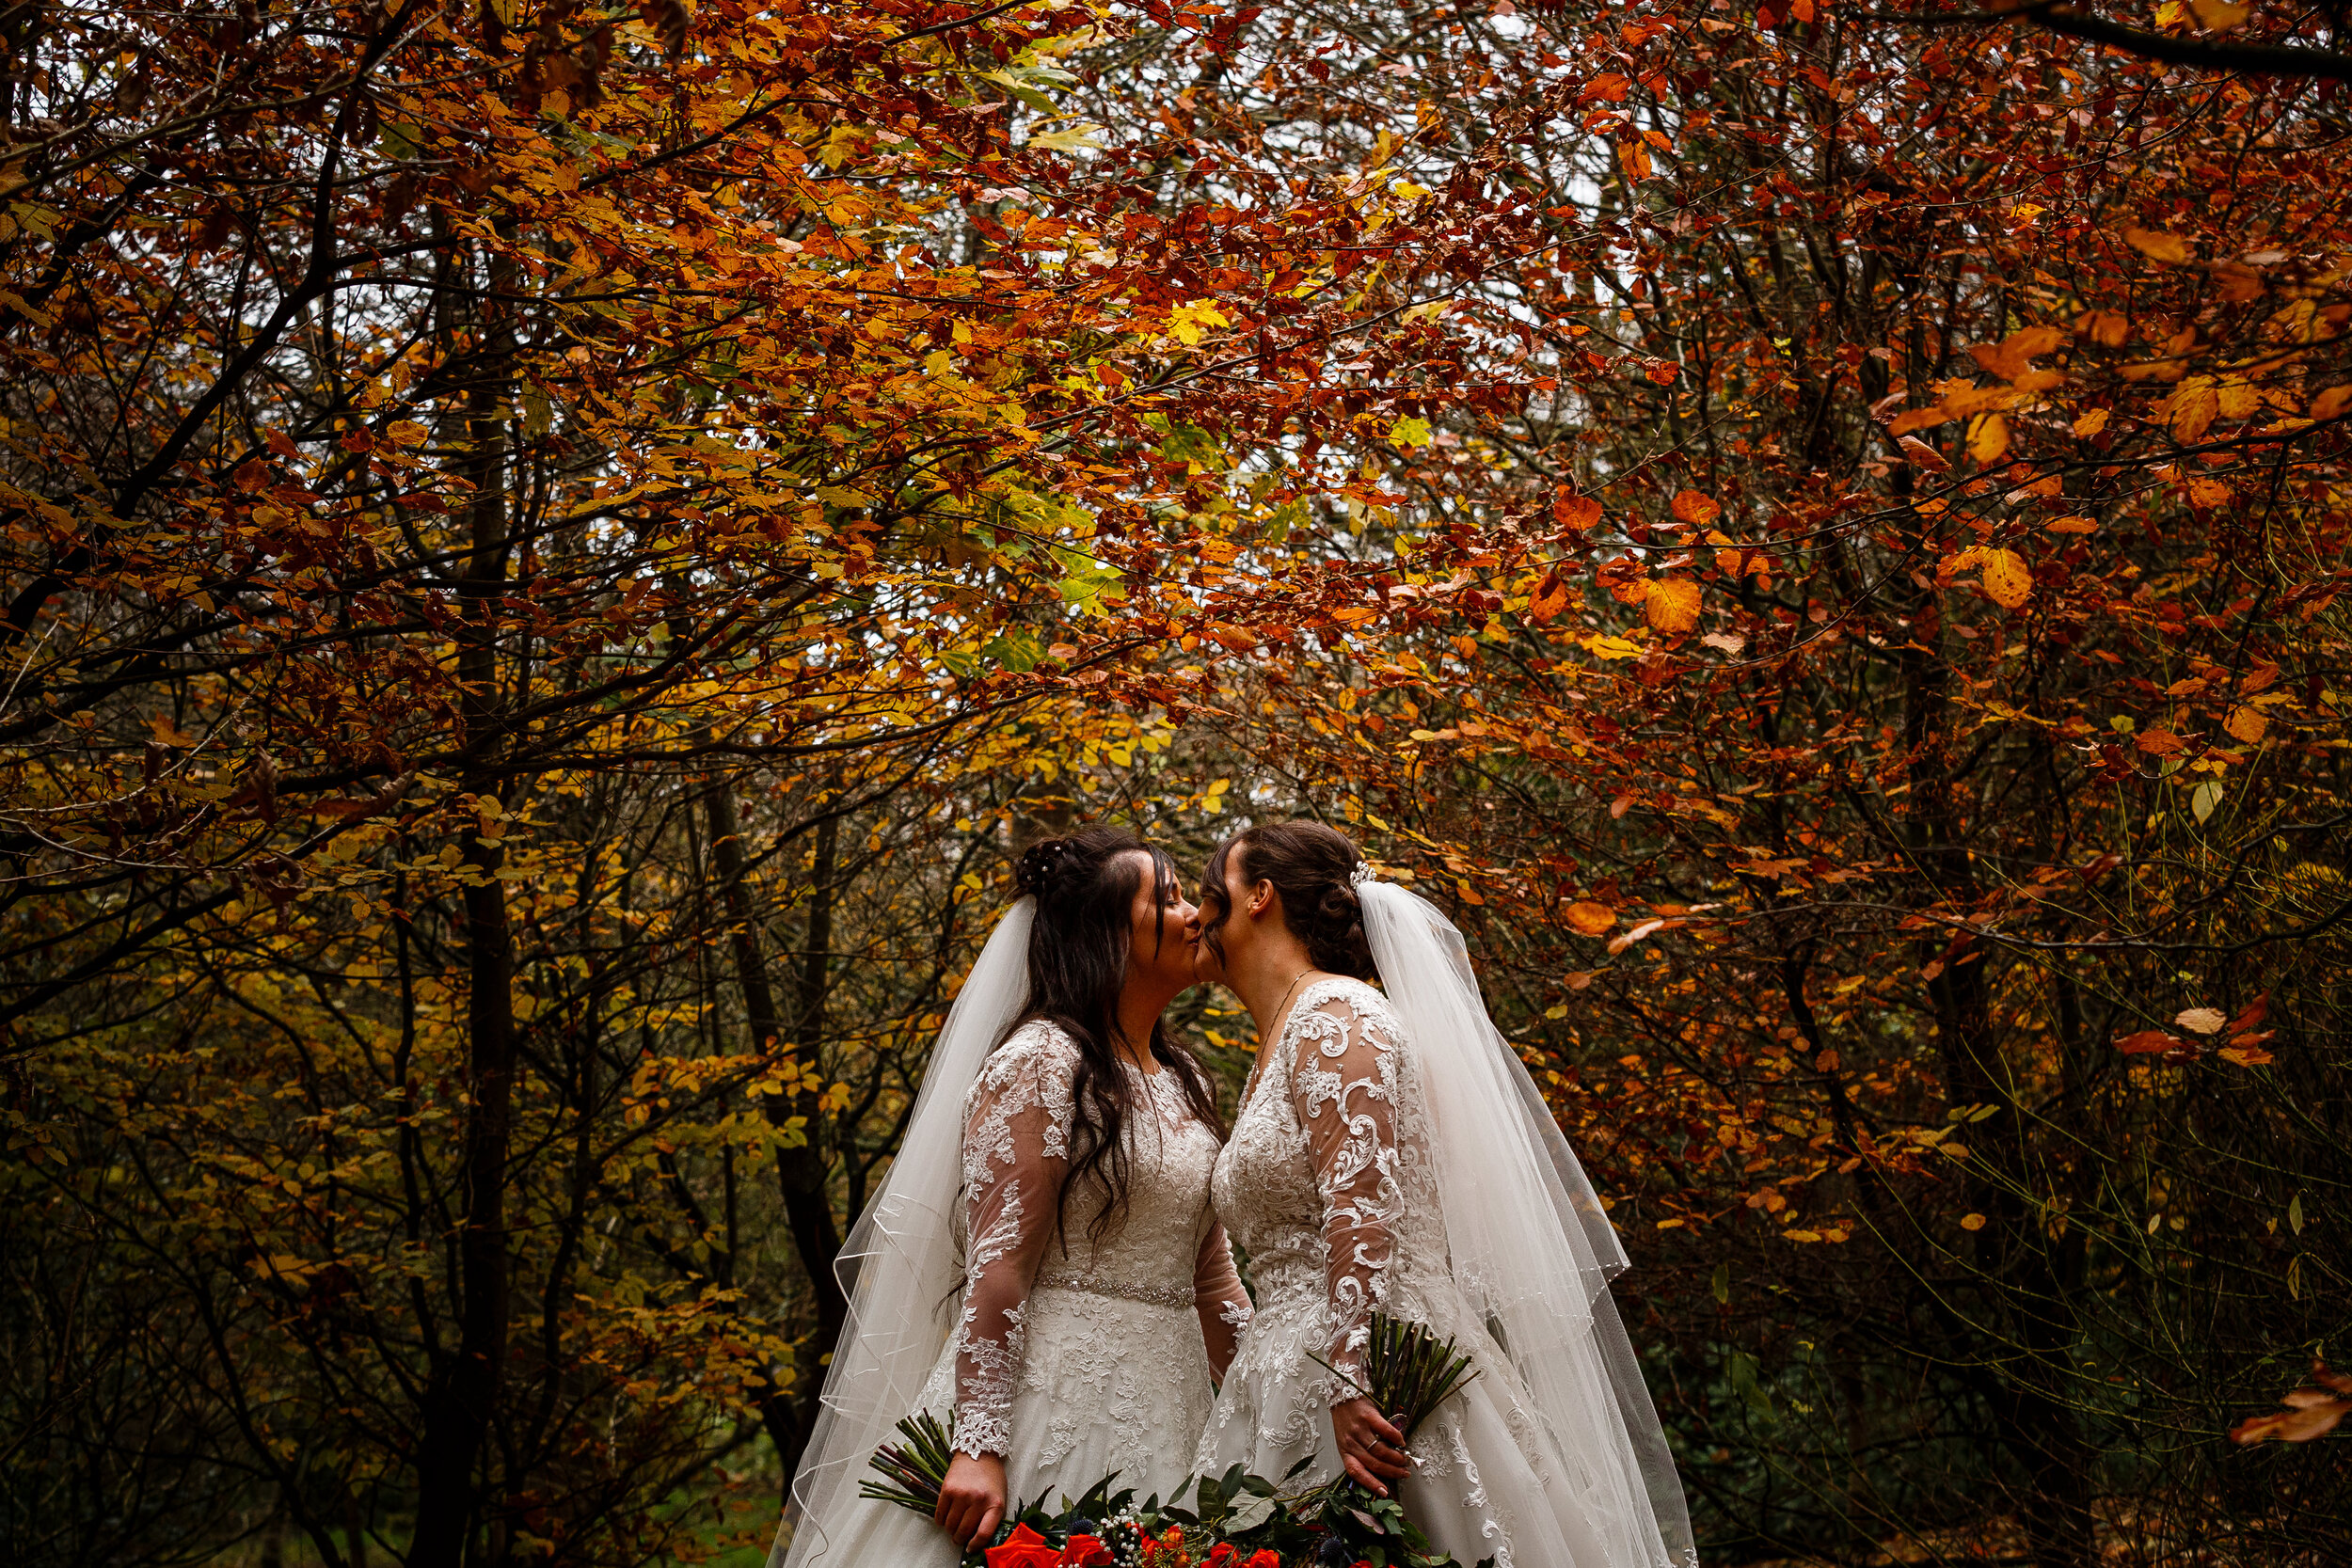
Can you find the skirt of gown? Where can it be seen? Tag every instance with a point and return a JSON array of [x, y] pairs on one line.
[[1107, 1384], [1492, 1481]]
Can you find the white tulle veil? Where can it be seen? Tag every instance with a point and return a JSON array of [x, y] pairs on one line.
[[900, 1267], [1528, 1238]]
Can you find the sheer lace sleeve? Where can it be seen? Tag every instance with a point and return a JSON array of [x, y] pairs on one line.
[[1343, 1079], [1219, 1297], [1016, 1147]]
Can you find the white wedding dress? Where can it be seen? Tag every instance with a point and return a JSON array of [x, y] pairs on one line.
[[1072, 1356], [1328, 1184]]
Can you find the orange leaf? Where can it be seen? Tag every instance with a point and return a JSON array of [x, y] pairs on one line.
[[1573, 511], [1590, 919], [2158, 742], [2331, 404], [2246, 725], [2150, 1040], [1923, 455], [2007, 580], [1988, 438], [1672, 605], [2071, 525], [2158, 246], [1916, 418], [1695, 509]]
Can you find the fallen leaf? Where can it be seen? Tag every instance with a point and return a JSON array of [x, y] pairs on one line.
[[2090, 424]]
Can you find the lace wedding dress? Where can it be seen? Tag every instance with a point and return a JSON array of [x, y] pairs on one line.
[[1327, 1184], [1072, 1354]]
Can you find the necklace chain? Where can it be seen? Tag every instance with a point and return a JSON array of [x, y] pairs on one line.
[[1294, 989]]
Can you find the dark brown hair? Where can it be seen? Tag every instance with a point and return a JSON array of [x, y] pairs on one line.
[[1085, 885], [1313, 868]]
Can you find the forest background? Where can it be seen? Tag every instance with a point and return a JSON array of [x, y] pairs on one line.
[[551, 551]]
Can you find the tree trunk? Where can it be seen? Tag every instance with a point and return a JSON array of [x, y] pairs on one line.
[[801, 1172], [2034, 1319], [463, 1395]]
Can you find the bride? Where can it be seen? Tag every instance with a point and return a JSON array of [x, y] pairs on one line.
[[1391, 1154], [1042, 1261]]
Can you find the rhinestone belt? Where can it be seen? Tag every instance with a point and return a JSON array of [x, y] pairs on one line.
[[1103, 1285]]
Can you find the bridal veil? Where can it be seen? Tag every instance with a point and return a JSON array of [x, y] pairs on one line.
[[900, 1267], [1529, 1242]]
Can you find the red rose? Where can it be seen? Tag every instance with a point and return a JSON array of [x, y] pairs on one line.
[[1023, 1548], [1222, 1554], [1263, 1559], [1086, 1551]]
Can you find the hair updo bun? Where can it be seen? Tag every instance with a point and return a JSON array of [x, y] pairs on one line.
[[1044, 867], [1313, 867]]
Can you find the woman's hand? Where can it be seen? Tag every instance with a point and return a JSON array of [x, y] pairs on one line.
[[971, 1499], [1371, 1447]]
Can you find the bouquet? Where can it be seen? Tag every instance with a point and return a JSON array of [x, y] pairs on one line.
[[1232, 1521]]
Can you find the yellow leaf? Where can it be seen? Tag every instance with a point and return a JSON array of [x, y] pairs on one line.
[[1672, 605], [2158, 246], [2332, 402], [1590, 919], [1972, 1222], [1988, 438], [2191, 408], [1610, 647], [2091, 423], [2071, 525], [2218, 16], [2246, 725], [2007, 580], [168, 734]]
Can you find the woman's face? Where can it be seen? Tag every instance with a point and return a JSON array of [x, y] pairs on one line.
[[1233, 931], [1164, 931]]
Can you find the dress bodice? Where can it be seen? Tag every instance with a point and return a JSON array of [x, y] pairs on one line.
[[1163, 1247], [1325, 1182]]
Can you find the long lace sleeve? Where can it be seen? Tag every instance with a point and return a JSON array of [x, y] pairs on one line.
[[1219, 1297], [1016, 1147], [1343, 1079]]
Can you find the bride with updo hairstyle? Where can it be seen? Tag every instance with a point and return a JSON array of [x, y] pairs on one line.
[[1042, 1271], [1393, 1156]]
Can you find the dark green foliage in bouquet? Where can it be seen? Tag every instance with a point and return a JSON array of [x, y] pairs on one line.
[[914, 1469], [1406, 1371]]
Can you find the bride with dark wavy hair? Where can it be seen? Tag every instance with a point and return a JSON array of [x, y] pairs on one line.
[[1042, 1262], [1392, 1155]]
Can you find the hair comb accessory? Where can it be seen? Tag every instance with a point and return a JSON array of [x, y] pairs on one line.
[[1361, 875]]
